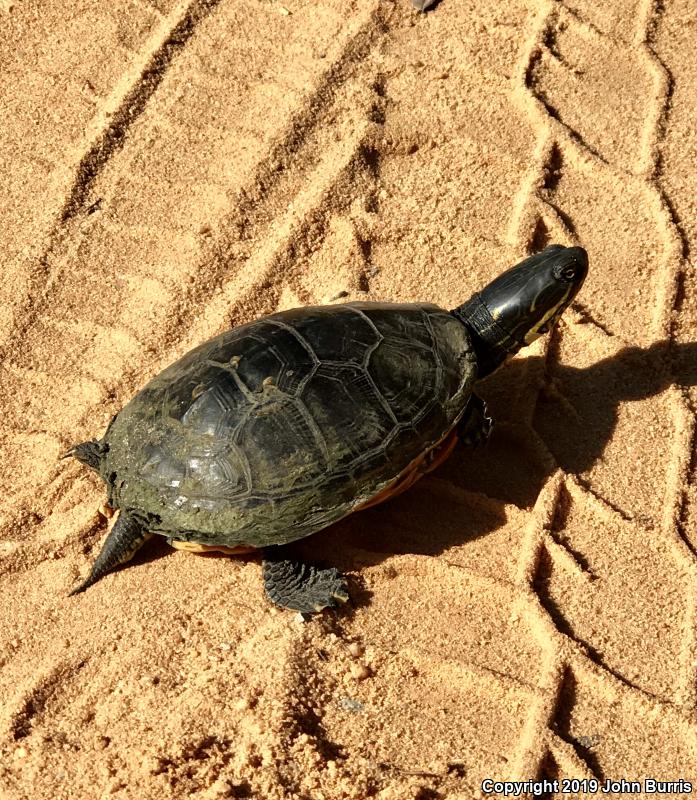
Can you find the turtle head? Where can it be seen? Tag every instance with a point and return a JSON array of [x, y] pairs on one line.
[[523, 303]]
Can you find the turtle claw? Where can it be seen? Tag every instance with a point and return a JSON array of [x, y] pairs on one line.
[[89, 453], [475, 427], [339, 595], [342, 594], [480, 436]]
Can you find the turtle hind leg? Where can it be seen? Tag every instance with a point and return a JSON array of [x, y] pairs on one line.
[[291, 583], [89, 453], [123, 542]]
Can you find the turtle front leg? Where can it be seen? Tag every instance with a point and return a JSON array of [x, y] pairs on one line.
[[123, 542], [291, 583], [474, 427]]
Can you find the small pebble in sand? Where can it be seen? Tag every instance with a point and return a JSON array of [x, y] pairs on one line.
[[356, 649], [359, 671], [267, 755], [221, 788], [351, 705]]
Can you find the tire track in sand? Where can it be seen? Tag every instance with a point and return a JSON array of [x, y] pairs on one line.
[[540, 752], [282, 205], [569, 661], [105, 136], [682, 468]]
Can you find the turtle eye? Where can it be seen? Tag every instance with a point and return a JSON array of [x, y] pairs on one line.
[[566, 274]]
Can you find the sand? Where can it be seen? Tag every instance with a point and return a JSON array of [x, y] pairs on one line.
[[528, 611]]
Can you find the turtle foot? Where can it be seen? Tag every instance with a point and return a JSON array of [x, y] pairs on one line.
[[292, 584], [475, 426]]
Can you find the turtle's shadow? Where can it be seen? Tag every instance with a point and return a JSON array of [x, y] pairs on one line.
[[577, 419], [574, 419]]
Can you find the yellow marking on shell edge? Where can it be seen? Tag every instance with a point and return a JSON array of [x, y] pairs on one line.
[[197, 547]]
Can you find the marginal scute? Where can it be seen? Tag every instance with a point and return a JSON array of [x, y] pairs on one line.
[[410, 326], [275, 429]]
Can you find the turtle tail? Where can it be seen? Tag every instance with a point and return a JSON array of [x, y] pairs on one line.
[[89, 453], [123, 542]]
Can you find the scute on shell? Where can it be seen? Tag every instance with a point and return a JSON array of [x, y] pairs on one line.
[[275, 429]]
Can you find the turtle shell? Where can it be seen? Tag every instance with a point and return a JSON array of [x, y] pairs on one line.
[[275, 429]]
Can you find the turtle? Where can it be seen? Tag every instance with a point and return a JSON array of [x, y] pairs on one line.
[[275, 429]]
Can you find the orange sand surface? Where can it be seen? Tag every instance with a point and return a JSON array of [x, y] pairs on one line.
[[172, 168]]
